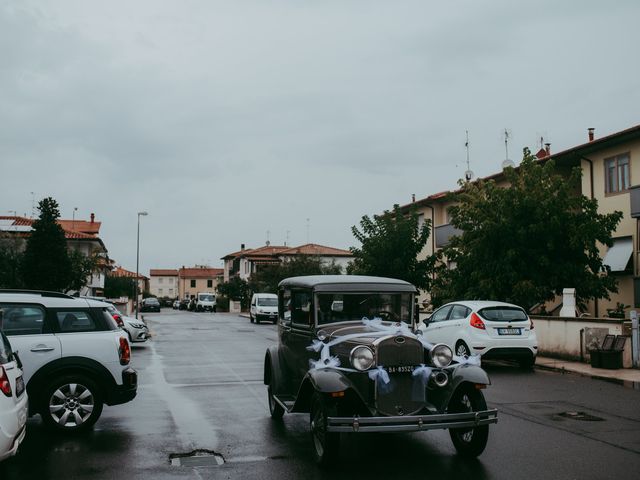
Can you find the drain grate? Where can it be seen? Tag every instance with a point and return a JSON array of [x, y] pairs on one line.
[[197, 458], [585, 417]]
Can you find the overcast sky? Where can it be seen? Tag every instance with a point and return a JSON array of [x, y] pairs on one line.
[[228, 119]]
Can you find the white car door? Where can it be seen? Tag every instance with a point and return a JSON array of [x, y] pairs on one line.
[[26, 327], [451, 328], [433, 331]]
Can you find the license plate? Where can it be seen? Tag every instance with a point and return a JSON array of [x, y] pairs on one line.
[[19, 386], [509, 331], [401, 369]]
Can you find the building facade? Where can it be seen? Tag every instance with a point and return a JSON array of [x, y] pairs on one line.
[[610, 167], [200, 278], [164, 283]]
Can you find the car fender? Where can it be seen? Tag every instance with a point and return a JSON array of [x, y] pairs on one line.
[[273, 364], [459, 375], [325, 381]]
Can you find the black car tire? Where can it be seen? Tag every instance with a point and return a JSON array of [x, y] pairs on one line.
[[462, 350], [275, 321], [250, 317], [326, 445], [60, 397], [469, 442]]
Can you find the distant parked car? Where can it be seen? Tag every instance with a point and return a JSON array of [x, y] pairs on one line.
[[184, 304], [150, 304], [264, 306], [494, 330], [13, 400], [205, 302], [136, 329], [176, 304]]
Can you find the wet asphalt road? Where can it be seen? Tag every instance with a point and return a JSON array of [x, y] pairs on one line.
[[201, 388]]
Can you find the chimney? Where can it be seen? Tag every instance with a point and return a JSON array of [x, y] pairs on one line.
[[242, 247], [547, 147], [591, 134], [93, 217], [413, 197]]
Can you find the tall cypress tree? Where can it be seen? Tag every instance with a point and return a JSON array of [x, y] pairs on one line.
[[46, 264]]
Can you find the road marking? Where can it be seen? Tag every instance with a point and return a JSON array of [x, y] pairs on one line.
[[193, 429]]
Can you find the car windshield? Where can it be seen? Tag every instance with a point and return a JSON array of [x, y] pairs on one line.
[[152, 301], [503, 314], [206, 298], [268, 302], [341, 307]]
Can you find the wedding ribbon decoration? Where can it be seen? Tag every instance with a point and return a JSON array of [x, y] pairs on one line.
[[421, 377], [472, 360], [382, 379]]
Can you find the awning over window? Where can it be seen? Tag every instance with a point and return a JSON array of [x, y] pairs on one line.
[[619, 254]]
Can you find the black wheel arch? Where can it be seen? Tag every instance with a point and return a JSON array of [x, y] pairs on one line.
[[69, 366]]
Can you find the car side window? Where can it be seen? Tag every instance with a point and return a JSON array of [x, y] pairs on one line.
[[441, 314], [458, 312], [75, 321], [23, 320], [301, 308], [285, 306]]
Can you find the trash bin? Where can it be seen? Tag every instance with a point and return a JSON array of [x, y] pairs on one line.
[[610, 359], [596, 358]]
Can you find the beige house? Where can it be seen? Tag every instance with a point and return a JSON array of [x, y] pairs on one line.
[[163, 282], [200, 278], [610, 167], [247, 261]]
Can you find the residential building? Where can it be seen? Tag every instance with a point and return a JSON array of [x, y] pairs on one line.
[[248, 261], [610, 168], [81, 235], [200, 278], [143, 281], [163, 283]]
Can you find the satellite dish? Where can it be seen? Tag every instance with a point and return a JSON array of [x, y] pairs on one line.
[[508, 163]]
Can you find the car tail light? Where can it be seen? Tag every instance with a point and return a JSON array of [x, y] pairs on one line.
[[475, 321], [118, 319], [124, 352], [5, 385]]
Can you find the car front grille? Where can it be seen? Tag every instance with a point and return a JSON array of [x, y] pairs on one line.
[[399, 351]]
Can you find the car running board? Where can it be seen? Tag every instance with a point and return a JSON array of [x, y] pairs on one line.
[[285, 401]]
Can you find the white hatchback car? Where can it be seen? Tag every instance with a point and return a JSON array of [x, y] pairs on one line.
[[264, 306], [13, 401], [494, 330]]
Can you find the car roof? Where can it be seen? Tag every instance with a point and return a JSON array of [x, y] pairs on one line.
[[348, 283], [478, 304], [50, 300]]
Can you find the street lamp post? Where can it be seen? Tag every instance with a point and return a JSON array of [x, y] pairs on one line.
[[144, 214]]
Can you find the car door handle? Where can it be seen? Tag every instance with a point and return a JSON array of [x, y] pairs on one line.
[[42, 349]]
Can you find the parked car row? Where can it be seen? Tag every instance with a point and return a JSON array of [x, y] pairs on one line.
[[201, 302], [61, 357]]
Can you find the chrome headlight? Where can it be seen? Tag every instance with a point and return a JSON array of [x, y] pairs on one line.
[[361, 358], [441, 355]]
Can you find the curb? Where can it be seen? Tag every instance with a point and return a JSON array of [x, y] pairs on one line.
[[618, 381]]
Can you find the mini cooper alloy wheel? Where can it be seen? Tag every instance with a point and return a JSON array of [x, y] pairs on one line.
[[72, 404]]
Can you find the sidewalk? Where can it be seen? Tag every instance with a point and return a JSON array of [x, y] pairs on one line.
[[623, 375]]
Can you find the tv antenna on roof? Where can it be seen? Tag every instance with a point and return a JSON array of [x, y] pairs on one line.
[[468, 174], [507, 161]]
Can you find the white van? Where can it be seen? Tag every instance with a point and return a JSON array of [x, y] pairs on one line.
[[264, 306], [206, 302]]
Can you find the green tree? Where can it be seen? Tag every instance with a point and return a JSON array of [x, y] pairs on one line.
[[115, 287], [526, 242], [46, 264], [82, 266], [391, 243], [235, 289], [10, 262], [267, 278]]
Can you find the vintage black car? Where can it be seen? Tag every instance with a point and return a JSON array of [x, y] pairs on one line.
[[350, 354]]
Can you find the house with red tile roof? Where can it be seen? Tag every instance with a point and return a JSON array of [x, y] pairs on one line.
[[200, 278], [81, 235], [247, 261], [163, 282]]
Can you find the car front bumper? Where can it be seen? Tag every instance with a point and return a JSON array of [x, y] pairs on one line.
[[413, 423]]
